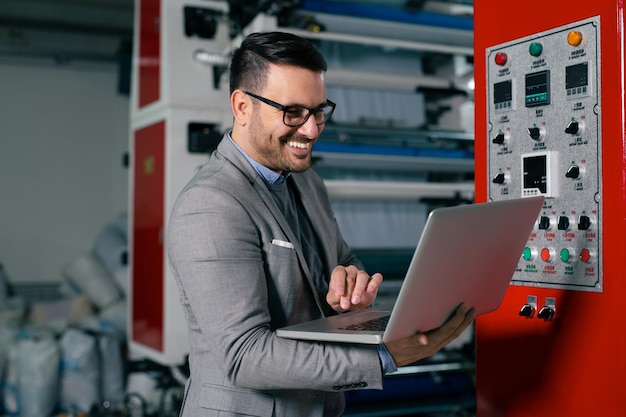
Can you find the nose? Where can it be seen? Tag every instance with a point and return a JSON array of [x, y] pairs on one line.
[[310, 129]]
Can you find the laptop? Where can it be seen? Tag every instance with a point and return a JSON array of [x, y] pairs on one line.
[[466, 253]]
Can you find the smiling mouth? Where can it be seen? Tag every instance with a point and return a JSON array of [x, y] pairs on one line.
[[299, 145]]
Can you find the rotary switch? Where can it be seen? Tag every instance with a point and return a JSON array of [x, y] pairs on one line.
[[574, 128], [536, 133], [584, 223], [563, 223], [544, 223], [573, 172], [500, 178], [501, 138]]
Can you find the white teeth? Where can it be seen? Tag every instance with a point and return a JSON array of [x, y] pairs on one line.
[[298, 145]]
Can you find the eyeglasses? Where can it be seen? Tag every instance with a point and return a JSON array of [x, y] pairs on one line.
[[296, 116]]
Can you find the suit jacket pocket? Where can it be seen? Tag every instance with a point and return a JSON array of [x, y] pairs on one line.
[[283, 269], [237, 401]]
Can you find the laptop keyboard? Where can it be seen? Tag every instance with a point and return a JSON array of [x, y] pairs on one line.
[[377, 324]]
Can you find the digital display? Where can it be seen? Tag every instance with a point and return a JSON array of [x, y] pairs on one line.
[[577, 79], [503, 95], [538, 88], [535, 170]]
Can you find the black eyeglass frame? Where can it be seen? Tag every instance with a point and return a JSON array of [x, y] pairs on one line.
[[285, 109]]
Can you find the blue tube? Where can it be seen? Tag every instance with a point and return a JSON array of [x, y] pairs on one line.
[[393, 14], [392, 150]]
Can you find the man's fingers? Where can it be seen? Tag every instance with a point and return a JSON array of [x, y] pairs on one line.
[[423, 345], [374, 282], [360, 286], [351, 288], [338, 281], [454, 326], [467, 320]]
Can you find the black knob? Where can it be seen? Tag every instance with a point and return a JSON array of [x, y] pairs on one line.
[[527, 311], [572, 128], [499, 139], [573, 172], [499, 178], [563, 223], [535, 133], [546, 313], [584, 223], [544, 223]]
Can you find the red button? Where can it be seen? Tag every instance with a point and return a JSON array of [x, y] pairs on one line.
[[585, 256], [500, 58], [545, 255]]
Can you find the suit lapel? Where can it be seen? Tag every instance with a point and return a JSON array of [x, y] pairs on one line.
[[231, 153]]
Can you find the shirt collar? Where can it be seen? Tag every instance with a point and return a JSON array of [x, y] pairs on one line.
[[266, 174]]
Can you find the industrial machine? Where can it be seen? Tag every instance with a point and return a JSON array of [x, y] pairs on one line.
[[396, 146], [550, 121], [179, 111], [175, 109]]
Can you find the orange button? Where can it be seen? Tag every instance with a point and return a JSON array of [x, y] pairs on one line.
[[574, 38], [545, 255]]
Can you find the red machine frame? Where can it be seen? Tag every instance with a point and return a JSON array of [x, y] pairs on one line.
[[171, 91], [574, 364]]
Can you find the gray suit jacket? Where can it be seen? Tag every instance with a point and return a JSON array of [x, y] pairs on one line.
[[241, 274]]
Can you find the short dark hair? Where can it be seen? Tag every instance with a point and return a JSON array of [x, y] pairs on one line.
[[249, 63]]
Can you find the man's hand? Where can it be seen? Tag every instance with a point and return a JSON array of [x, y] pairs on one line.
[[352, 289], [422, 345]]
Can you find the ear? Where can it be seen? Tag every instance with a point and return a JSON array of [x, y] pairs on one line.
[[241, 107]]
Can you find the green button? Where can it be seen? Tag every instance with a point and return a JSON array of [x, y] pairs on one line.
[[565, 255], [535, 49], [527, 254]]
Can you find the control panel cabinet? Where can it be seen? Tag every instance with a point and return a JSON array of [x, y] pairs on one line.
[[550, 120], [544, 139]]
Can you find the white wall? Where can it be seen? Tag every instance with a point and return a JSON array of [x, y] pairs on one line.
[[63, 131]]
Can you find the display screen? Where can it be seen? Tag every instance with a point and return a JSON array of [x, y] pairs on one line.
[[536, 173], [577, 79], [538, 88], [503, 95]]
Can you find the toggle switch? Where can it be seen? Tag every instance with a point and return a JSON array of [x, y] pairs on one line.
[[527, 311], [546, 313]]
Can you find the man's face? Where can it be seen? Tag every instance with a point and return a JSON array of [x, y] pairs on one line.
[[275, 145]]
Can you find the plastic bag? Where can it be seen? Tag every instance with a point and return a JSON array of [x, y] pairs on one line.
[[80, 371], [38, 374]]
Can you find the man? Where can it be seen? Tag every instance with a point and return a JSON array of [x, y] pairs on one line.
[[254, 246]]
